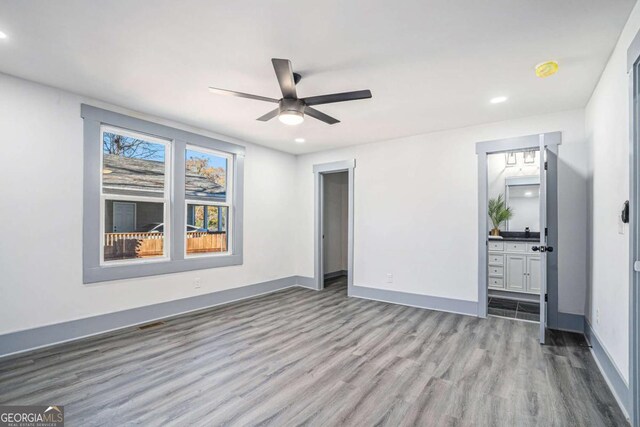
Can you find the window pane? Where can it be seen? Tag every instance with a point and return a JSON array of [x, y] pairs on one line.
[[207, 229], [206, 176], [133, 230], [132, 166]]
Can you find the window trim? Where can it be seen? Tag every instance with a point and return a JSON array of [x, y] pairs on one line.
[[93, 209]]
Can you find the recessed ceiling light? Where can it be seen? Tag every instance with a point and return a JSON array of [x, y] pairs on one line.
[[299, 140], [2, 35], [498, 99]]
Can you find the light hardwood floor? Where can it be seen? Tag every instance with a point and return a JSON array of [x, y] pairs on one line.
[[302, 357]]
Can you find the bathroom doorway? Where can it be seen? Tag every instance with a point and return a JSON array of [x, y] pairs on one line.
[[513, 208], [517, 228]]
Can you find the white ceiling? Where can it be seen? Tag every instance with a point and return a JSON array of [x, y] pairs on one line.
[[430, 64]]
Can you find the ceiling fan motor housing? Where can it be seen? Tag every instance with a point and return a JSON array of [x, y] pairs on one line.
[[291, 106]]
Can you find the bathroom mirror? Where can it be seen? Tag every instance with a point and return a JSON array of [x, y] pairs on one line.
[[522, 194]]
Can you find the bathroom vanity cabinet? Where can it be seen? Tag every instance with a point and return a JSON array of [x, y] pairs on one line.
[[514, 266]]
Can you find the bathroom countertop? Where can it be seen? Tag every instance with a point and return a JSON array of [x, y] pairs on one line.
[[517, 236], [517, 239]]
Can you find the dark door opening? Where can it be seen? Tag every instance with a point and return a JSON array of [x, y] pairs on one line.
[[335, 211]]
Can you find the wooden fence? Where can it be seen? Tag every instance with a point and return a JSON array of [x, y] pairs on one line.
[[142, 245], [203, 242]]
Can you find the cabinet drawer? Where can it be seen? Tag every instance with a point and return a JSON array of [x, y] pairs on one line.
[[496, 259], [515, 247], [496, 271], [496, 282], [496, 246]]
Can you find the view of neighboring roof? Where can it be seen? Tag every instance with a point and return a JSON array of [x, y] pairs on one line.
[[126, 175]]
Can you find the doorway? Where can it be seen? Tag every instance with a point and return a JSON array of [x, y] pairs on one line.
[[633, 56], [513, 208], [335, 207], [334, 202], [517, 229], [124, 217]]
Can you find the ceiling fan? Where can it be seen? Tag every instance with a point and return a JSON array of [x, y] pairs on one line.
[[291, 109]]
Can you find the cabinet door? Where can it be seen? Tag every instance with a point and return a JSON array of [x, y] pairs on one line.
[[516, 269], [533, 274]]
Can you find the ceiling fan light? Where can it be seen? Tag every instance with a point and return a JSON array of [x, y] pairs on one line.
[[291, 118]]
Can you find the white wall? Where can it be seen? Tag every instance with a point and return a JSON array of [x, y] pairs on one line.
[[607, 129], [424, 190], [336, 207], [41, 212]]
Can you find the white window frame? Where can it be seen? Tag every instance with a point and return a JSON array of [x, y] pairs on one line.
[[95, 269], [229, 181], [165, 200]]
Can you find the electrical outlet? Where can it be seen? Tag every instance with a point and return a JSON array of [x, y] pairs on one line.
[[196, 283], [597, 316], [389, 278]]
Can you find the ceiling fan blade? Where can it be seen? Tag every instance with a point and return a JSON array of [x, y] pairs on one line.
[[270, 115], [338, 97], [320, 116], [284, 73], [241, 94]]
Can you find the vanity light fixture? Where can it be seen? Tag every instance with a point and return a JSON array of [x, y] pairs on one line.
[[510, 159], [529, 156]]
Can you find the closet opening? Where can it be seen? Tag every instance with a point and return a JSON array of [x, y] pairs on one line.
[[335, 222]]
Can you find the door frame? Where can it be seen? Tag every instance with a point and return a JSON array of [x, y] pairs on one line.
[[531, 142], [319, 171], [113, 214], [633, 68]]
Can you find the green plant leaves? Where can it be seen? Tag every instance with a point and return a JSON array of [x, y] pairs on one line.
[[498, 211]]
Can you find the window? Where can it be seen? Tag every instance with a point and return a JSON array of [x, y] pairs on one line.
[[134, 195], [157, 199], [208, 190]]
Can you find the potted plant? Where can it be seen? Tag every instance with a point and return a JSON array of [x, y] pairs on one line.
[[499, 213]]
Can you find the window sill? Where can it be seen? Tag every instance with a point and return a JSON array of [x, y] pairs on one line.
[[137, 269]]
